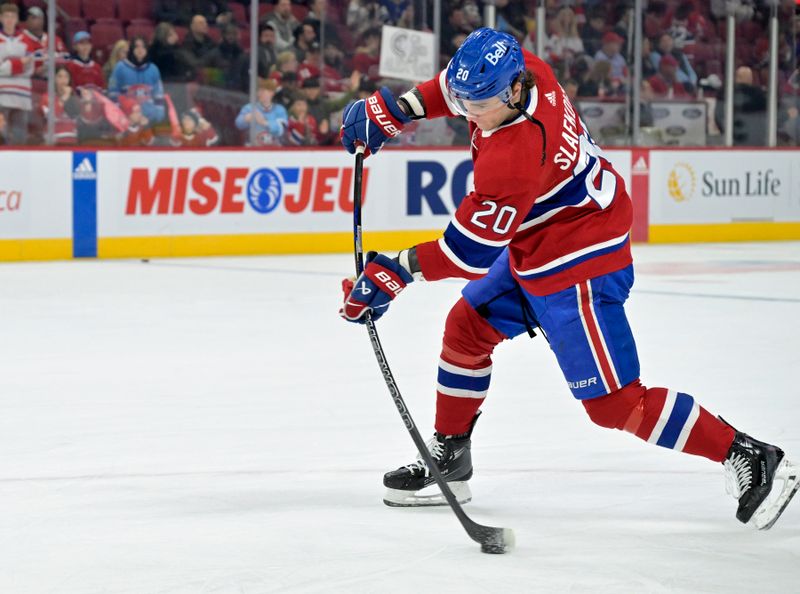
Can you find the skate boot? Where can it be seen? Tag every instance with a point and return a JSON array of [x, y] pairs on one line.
[[761, 478], [454, 460]]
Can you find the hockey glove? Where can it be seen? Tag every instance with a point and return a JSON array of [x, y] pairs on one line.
[[371, 122], [373, 291]]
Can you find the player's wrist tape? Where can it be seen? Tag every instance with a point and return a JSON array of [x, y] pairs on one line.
[[408, 260], [383, 111], [412, 104]]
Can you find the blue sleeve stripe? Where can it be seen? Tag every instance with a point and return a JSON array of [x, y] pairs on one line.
[[471, 253]]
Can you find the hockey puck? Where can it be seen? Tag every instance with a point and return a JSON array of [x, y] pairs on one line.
[[145, 260], [493, 549]]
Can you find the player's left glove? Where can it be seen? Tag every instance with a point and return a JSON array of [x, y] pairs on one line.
[[371, 122], [373, 291]]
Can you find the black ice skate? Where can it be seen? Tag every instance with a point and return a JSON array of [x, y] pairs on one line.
[[761, 478], [454, 460]]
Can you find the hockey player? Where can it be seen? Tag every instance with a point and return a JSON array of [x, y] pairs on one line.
[[544, 239]]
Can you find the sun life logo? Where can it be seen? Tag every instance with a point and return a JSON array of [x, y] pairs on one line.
[[264, 190], [681, 182]]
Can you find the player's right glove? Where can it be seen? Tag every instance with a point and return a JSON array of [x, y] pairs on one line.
[[371, 122], [373, 291]]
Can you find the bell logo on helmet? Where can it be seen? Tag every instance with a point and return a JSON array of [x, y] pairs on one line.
[[500, 49]]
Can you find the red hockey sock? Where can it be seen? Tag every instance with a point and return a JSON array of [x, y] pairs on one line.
[[663, 417], [465, 368]]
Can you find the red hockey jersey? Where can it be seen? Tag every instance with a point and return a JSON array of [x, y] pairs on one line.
[[545, 193]]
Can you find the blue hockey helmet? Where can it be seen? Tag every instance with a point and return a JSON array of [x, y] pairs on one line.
[[485, 67]]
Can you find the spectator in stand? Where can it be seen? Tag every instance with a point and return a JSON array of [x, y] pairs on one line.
[[593, 31], [167, 55], [287, 62], [197, 43], [118, 52], [82, 68], [267, 56], [284, 23], [610, 52], [16, 69], [368, 54], [749, 110], [304, 36], [302, 127], [215, 11], [196, 131], [317, 15], [68, 108], [226, 65], [139, 79], [689, 25], [310, 67], [35, 31], [363, 15], [289, 90], [139, 132], [665, 84], [3, 129], [457, 24], [177, 12], [685, 73], [649, 67], [564, 43], [510, 17], [322, 108], [268, 119], [709, 92], [392, 10], [596, 82], [333, 69]]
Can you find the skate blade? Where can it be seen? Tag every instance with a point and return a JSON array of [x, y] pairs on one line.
[[787, 476], [398, 498]]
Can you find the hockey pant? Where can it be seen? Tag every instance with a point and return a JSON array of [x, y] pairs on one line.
[[589, 334]]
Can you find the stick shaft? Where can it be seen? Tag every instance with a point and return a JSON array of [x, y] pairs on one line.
[[476, 531]]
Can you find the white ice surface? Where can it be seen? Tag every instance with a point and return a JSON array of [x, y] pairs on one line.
[[199, 426]]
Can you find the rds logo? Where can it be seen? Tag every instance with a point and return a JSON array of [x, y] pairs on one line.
[[681, 182], [206, 190]]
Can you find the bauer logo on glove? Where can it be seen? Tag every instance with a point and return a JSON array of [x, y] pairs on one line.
[[382, 280], [372, 122]]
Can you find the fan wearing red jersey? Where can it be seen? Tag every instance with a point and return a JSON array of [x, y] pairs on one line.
[[545, 243]]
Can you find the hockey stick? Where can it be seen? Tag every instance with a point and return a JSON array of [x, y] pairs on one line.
[[491, 539]]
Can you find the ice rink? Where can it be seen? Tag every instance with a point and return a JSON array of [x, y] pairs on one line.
[[212, 426]]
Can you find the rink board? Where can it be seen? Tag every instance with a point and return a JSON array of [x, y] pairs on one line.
[[57, 204], [35, 205]]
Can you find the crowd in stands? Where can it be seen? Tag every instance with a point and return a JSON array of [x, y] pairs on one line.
[[177, 72]]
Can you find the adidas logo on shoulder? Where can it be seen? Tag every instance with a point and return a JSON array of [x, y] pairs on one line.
[[551, 97], [84, 170]]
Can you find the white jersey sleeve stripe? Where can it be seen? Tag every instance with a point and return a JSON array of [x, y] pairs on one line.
[[477, 238], [574, 255], [445, 94]]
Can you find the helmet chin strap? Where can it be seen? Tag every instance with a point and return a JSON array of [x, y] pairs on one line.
[[521, 109]]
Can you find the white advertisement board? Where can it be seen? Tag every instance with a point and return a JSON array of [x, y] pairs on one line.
[[35, 195], [407, 54], [694, 187], [229, 192]]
